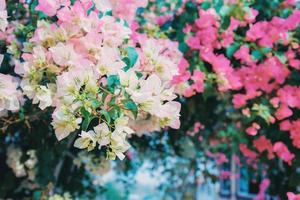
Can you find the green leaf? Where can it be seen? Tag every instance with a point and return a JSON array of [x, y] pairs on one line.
[[131, 58], [266, 50], [226, 10], [183, 47], [114, 112], [281, 57], [225, 22], [108, 13], [139, 74], [106, 115], [95, 103], [103, 97], [129, 104], [37, 195], [21, 114], [84, 112], [91, 9], [112, 82], [86, 122], [256, 55], [218, 4], [205, 5], [232, 49], [112, 101], [87, 118]]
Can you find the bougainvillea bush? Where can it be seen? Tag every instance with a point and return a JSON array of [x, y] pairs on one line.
[[93, 85]]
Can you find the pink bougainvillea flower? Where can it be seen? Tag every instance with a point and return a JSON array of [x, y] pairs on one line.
[[263, 144], [252, 130], [294, 133], [207, 19], [221, 158], [292, 196], [50, 7], [243, 54], [263, 186], [196, 129], [285, 125], [247, 152], [283, 152], [125, 9], [251, 15], [188, 92], [198, 78], [289, 95], [239, 100], [283, 112], [193, 42], [275, 102], [227, 77], [225, 174]]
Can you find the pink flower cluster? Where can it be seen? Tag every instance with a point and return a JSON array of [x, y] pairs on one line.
[[268, 33], [293, 127], [255, 70], [263, 186], [292, 196], [186, 83], [283, 153], [220, 158], [197, 127], [124, 9], [263, 144], [50, 7], [247, 152]]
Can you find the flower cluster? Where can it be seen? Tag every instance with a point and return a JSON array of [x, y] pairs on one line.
[[252, 60], [86, 66], [10, 97], [124, 9], [20, 168]]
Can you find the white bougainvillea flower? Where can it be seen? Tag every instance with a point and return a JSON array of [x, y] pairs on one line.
[[43, 96], [129, 80], [14, 161], [169, 113], [87, 140], [121, 125], [103, 134], [119, 144], [109, 61], [147, 96], [64, 122], [64, 55], [9, 95]]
